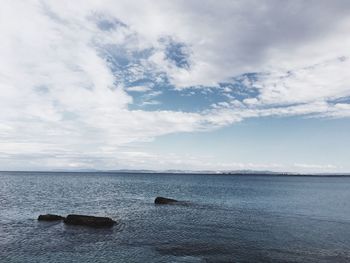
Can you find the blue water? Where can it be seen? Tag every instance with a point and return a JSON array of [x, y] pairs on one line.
[[229, 218]]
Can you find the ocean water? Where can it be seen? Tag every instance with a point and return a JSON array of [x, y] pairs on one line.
[[229, 218]]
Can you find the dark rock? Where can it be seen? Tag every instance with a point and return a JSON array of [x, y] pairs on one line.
[[50, 217], [164, 201], [91, 221]]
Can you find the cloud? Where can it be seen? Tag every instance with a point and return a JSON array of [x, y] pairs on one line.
[[315, 166], [58, 94], [325, 81], [138, 88], [231, 38], [69, 70]]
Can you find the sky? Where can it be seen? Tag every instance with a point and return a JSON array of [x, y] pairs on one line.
[[189, 85]]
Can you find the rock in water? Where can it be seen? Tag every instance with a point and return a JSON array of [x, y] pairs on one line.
[[164, 201], [50, 217], [91, 221]]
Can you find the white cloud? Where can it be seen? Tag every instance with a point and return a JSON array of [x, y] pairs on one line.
[[138, 88], [326, 81], [59, 95], [316, 166]]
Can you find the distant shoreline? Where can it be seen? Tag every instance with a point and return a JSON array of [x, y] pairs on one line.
[[286, 174]]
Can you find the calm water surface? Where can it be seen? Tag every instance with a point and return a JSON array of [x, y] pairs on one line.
[[230, 218]]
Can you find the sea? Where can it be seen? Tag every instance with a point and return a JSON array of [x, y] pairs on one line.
[[226, 218]]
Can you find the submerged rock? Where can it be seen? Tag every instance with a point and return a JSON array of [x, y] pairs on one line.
[[164, 201], [91, 221], [50, 217]]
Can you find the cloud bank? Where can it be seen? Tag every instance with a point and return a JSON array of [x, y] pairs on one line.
[[70, 71]]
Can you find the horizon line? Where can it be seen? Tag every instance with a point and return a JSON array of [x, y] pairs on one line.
[[190, 172]]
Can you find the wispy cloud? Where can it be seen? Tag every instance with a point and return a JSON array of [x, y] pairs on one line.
[[138, 88]]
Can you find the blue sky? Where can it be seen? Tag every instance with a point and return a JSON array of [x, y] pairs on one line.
[[195, 85]]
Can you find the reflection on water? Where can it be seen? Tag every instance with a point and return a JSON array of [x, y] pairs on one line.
[[228, 219]]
